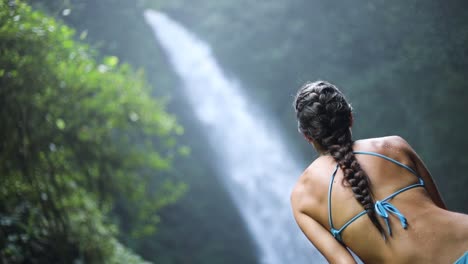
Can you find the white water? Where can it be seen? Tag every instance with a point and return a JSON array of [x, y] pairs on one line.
[[256, 166]]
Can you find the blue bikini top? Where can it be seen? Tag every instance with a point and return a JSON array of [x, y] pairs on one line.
[[383, 208]]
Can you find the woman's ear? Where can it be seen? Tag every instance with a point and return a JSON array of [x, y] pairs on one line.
[[351, 120], [309, 139]]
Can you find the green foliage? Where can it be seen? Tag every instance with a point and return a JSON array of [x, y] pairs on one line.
[[117, 27], [79, 140]]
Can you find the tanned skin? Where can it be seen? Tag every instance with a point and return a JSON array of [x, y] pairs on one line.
[[434, 234]]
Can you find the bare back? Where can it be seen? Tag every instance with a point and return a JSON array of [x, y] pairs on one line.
[[433, 235]]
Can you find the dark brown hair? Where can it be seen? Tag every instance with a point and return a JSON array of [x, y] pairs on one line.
[[324, 116]]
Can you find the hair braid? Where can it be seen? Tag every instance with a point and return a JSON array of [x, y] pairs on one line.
[[324, 116], [357, 178]]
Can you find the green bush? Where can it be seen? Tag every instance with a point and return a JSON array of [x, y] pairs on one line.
[[80, 140]]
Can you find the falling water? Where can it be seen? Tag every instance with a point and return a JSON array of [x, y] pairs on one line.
[[256, 166]]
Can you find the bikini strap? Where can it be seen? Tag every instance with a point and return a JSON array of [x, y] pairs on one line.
[[330, 219], [383, 208], [392, 160], [337, 232]]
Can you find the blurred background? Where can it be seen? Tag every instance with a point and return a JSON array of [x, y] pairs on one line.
[[163, 130]]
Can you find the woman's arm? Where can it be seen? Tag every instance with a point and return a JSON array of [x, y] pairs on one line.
[[333, 251], [320, 237], [424, 173], [429, 183]]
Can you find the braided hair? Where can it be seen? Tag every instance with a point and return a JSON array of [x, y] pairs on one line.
[[324, 116]]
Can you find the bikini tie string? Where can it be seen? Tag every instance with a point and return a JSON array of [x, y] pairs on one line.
[[383, 208], [336, 234]]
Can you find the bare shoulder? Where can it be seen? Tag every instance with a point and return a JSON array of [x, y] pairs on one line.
[[309, 205], [395, 147], [389, 145], [398, 140], [311, 187], [395, 141]]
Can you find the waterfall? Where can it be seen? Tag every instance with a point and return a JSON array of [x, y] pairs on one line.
[[256, 166]]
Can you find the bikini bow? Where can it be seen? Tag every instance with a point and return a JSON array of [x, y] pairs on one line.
[[382, 208]]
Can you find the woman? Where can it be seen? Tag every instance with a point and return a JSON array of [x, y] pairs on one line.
[[373, 196]]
